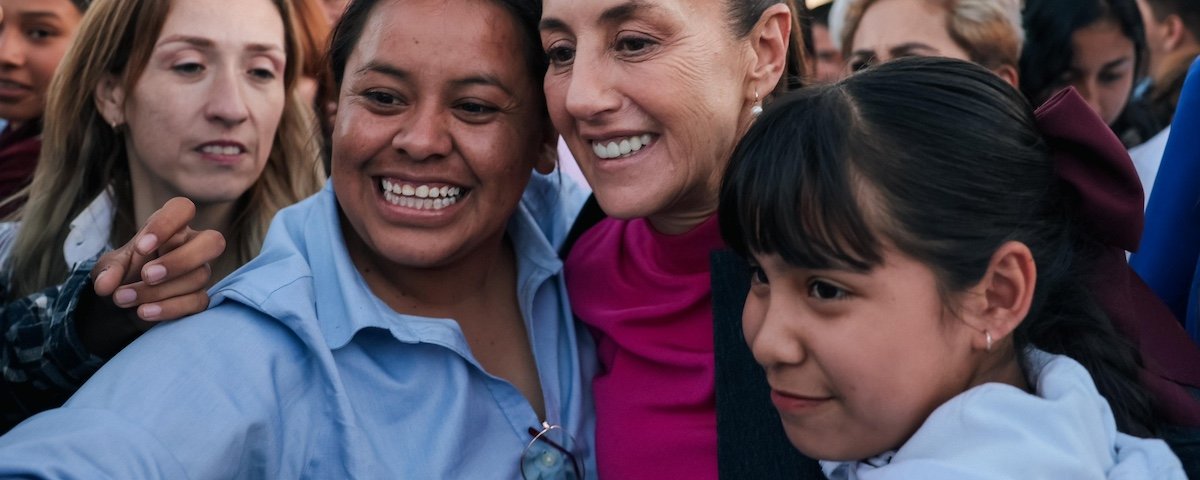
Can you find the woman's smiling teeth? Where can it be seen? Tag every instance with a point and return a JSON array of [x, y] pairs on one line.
[[420, 197], [620, 147], [220, 150]]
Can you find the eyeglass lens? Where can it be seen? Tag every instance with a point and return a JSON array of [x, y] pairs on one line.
[[549, 456]]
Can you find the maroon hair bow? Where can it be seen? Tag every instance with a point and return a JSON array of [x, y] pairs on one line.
[[1095, 169]]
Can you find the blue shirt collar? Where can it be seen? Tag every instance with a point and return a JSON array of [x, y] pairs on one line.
[[345, 304]]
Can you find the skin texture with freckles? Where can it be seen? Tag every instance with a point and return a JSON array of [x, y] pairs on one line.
[[408, 114], [596, 89]]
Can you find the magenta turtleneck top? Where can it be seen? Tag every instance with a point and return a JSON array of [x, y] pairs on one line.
[[647, 297]]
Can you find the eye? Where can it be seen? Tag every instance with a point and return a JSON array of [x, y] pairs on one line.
[[823, 290], [262, 73], [758, 275], [39, 33], [381, 98], [475, 112], [633, 44], [860, 62], [560, 55], [190, 68], [1110, 78]]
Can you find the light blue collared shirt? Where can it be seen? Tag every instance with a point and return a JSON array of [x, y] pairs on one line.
[[298, 371]]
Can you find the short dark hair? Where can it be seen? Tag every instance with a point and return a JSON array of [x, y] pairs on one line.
[[1188, 11], [820, 14], [828, 175], [349, 29]]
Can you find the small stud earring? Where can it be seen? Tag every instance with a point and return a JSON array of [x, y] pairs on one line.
[[988, 337], [757, 109]]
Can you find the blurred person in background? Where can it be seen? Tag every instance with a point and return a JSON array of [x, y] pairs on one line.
[[1096, 46], [987, 32], [828, 64], [1173, 42], [34, 36]]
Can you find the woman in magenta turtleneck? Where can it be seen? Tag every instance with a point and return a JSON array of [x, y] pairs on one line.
[[651, 97]]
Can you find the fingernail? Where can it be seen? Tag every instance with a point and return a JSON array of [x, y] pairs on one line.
[[154, 273], [125, 296], [147, 243], [100, 276], [151, 311]]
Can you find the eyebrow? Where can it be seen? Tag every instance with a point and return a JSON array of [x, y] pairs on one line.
[[1120, 62], [908, 48], [204, 43], [34, 15], [486, 80], [613, 15]]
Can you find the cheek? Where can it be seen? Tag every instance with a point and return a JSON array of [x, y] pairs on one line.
[[43, 62], [753, 315]]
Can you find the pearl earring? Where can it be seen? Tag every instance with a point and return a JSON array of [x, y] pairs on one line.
[[988, 337], [757, 109]]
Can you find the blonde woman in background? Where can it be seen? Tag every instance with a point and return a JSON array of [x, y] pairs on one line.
[[986, 32], [154, 107]]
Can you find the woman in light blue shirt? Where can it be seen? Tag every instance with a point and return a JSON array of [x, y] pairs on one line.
[[408, 321]]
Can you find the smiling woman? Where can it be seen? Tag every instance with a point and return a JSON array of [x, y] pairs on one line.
[[198, 102], [34, 35], [408, 321]]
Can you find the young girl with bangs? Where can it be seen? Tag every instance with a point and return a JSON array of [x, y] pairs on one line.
[[921, 300]]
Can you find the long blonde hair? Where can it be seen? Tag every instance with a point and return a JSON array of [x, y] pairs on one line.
[[82, 155]]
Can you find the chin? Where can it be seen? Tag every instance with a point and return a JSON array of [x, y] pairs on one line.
[[621, 205]]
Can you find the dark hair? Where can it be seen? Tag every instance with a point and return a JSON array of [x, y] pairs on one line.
[[820, 14], [826, 175], [82, 5], [349, 29], [1188, 11], [744, 14], [1049, 25]]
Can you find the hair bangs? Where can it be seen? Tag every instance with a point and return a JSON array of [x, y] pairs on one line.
[[790, 189]]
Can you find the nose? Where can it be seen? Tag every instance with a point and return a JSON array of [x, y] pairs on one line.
[[1091, 94], [226, 103], [12, 47], [590, 92], [425, 134], [772, 333]]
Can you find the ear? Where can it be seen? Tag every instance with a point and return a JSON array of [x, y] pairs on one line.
[[110, 100], [1175, 33], [1009, 74], [548, 158], [769, 44], [1001, 300]]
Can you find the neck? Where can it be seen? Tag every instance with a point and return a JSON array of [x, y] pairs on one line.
[[476, 282], [1002, 366], [209, 216], [680, 221]]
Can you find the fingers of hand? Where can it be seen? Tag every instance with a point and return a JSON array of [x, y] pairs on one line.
[[174, 308], [142, 293], [195, 253], [164, 224], [110, 271]]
